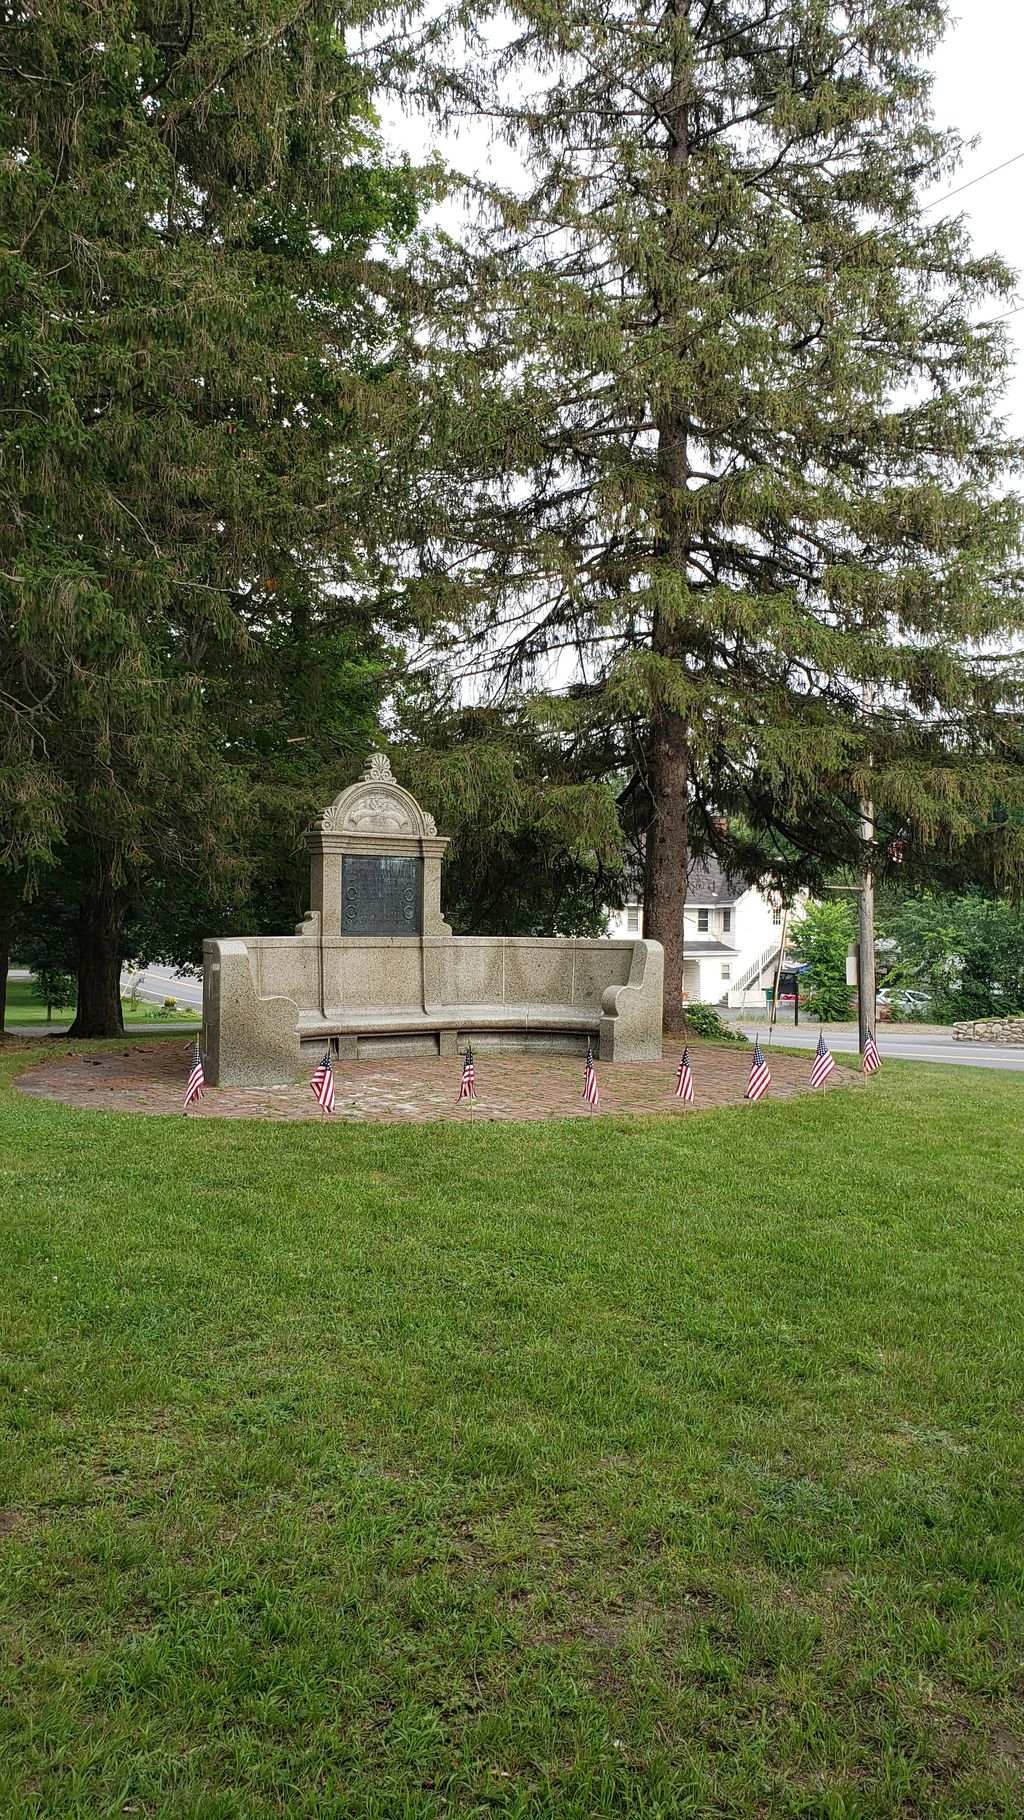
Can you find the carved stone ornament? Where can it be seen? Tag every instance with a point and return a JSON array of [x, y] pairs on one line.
[[378, 814], [377, 805]]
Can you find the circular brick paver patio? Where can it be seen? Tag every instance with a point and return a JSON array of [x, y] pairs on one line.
[[151, 1078]]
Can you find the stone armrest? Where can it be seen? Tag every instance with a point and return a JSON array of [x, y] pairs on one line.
[[614, 999], [631, 1013]]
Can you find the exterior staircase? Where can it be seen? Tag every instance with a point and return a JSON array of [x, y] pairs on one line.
[[754, 971]]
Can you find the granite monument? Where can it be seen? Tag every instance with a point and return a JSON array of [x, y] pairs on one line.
[[374, 970]]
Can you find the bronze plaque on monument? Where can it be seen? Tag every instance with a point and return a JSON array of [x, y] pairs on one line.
[[381, 894]]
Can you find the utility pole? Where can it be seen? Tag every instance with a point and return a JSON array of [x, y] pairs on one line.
[[778, 966], [866, 928], [866, 906]]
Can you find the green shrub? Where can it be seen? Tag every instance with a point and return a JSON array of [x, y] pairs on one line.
[[703, 1020]]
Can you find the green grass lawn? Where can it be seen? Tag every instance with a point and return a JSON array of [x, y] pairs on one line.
[[666, 1468], [23, 1008]]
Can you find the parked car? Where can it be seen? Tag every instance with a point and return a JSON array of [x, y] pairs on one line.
[[906, 999]]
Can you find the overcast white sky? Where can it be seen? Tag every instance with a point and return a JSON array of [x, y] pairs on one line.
[[978, 88]]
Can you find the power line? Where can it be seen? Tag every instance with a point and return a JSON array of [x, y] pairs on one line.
[[969, 186], [991, 321]]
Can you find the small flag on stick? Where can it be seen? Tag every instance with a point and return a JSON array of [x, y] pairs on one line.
[[684, 1079], [467, 1090], [196, 1080], [823, 1064], [590, 1092], [322, 1084], [760, 1079], [872, 1059]]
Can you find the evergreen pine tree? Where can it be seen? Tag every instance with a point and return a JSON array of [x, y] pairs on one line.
[[536, 840], [192, 396], [727, 397]]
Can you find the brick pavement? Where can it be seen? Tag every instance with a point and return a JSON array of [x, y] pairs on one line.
[[151, 1079]]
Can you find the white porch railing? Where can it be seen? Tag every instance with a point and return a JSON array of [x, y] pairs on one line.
[[755, 970]]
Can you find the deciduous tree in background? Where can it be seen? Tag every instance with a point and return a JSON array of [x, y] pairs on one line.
[[820, 938], [965, 951]]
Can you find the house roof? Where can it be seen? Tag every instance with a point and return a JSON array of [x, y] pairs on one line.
[[696, 951], [706, 883]]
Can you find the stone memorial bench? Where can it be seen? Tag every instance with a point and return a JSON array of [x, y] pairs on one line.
[[374, 970]]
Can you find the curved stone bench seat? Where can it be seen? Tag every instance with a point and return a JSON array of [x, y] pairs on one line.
[[449, 1017], [448, 1029]]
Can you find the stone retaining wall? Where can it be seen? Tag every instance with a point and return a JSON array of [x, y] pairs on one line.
[[991, 1030]]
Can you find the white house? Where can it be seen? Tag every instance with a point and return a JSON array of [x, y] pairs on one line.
[[731, 936]]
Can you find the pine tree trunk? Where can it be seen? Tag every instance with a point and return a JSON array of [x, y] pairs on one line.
[[100, 922], [668, 757], [665, 860], [668, 746]]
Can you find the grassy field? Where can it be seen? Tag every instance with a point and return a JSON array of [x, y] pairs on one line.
[[660, 1469], [23, 1008]]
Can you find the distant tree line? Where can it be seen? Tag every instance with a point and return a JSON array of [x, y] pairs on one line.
[[965, 952], [660, 511], [942, 954]]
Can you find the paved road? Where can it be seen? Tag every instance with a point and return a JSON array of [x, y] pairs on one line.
[[911, 1045], [159, 983]]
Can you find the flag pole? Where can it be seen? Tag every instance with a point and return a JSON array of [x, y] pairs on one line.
[[778, 973], [467, 1085]]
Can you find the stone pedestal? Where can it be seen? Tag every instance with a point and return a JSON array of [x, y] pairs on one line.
[[378, 820]]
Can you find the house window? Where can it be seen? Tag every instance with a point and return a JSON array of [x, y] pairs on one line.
[[703, 921], [633, 919], [727, 970], [726, 921], [777, 915]]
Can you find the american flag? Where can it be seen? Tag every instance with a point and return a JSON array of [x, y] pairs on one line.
[[823, 1063], [760, 1079], [684, 1079], [196, 1080], [467, 1091], [590, 1093], [322, 1084], [872, 1059]]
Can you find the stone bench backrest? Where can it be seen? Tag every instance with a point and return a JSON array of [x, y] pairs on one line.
[[359, 972]]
